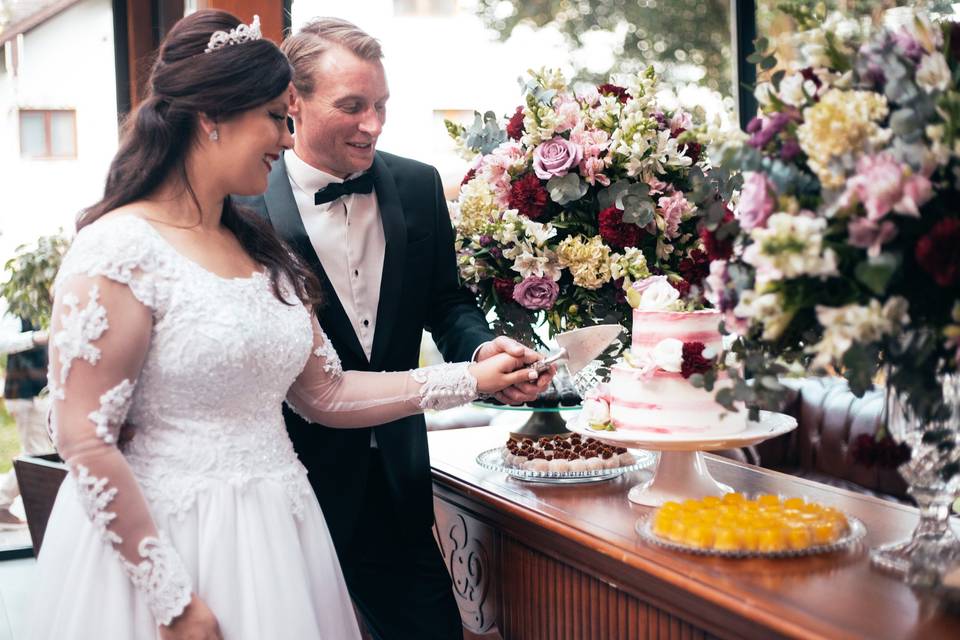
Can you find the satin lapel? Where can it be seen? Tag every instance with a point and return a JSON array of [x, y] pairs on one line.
[[395, 253], [286, 220]]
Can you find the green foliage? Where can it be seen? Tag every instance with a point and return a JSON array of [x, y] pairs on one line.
[[673, 32], [28, 288]]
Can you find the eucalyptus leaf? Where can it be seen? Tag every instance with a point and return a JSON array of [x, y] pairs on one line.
[[567, 189], [876, 272]]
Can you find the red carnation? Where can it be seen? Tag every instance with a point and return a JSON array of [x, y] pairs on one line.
[[938, 252], [615, 232], [470, 176], [614, 90], [693, 360], [504, 289], [682, 286], [528, 196], [515, 126], [718, 249], [695, 268], [693, 151]]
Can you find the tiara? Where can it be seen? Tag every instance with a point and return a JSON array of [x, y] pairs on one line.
[[243, 33]]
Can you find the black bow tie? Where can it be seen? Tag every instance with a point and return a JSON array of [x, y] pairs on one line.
[[361, 184]]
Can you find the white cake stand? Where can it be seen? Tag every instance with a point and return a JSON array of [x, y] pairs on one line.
[[682, 472]]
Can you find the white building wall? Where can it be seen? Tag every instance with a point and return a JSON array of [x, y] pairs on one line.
[[66, 63]]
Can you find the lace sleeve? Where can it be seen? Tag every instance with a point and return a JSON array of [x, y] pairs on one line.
[[325, 394], [100, 334]]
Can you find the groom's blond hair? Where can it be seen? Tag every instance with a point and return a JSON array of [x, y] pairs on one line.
[[306, 46]]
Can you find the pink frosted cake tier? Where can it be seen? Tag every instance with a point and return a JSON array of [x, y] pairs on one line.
[[664, 402]]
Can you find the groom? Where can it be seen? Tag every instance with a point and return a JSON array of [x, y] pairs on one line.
[[375, 228]]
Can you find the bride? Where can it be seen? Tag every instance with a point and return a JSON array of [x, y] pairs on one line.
[[180, 314]]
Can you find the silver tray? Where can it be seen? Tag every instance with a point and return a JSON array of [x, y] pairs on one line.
[[492, 459], [855, 533]]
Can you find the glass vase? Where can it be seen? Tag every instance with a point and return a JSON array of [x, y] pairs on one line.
[[933, 547]]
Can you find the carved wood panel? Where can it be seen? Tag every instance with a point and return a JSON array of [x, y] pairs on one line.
[[468, 548]]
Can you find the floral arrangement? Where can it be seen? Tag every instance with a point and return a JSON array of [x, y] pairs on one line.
[[573, 198], [846, 234]]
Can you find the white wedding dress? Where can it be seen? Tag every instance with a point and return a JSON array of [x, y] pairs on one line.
[[206, 495]]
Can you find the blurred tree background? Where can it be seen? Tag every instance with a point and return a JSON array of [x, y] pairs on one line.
[[685, 40]]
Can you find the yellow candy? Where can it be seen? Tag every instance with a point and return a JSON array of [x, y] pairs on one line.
[[799, 537], [750, 538], [700, 536], [711, 501], [794, 503], [726, 539], [772, 539], [768, 500], [734, 499]]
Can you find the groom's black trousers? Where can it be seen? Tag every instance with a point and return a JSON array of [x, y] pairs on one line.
[[395, 572]]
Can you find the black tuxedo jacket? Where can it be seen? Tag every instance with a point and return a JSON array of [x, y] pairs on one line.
[[419, 289]]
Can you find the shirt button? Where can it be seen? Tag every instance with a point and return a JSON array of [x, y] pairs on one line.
[[366, 323], [356, 273]]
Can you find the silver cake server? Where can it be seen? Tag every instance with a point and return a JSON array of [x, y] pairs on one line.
[[580, 347]]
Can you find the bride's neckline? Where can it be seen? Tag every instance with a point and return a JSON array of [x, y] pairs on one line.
[[257, 274]]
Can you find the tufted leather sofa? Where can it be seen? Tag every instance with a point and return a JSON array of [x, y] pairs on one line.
[[829, 420]]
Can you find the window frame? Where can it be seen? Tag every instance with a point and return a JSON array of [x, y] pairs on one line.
[[47, 133]]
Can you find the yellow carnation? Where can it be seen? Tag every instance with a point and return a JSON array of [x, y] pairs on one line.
[[588, 261], [478, 210], [842, 122]]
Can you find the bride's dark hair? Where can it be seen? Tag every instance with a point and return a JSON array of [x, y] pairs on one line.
[[184, 82]]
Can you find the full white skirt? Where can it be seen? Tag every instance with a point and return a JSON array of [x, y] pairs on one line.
[[263, 572]]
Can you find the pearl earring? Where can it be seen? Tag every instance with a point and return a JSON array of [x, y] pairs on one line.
[[214, 135]]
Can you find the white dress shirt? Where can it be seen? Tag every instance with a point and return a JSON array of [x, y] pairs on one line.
[[347, 235]]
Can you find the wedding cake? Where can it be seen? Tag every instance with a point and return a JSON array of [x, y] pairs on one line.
[[649, 389]]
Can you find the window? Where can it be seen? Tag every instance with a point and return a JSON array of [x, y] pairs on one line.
[[48, 133]]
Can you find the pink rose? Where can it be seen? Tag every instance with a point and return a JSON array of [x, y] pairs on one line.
[[756, 201], [881, 185], [555, 158], [536, 292], [870, 234]]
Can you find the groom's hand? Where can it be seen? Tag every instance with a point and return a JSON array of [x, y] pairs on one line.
[[524, 391]]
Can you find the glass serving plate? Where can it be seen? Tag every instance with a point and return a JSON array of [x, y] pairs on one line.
[[523, 407], [492, 459], [855, 532]]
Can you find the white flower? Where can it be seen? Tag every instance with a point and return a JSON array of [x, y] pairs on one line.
[[790, 246], [668, 355], [853, 323], [795, 91], [539, 232], [766, 309], [933, 74], [762, 93], [658, 296], [596, 411]]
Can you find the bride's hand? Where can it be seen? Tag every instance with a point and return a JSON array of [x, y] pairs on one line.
[[197, 622], [503, 370]]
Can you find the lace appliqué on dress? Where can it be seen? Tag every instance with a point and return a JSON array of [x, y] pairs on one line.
[[113, 409], [94, 496], [445, 385], [81, 327], [331, 362], [161, 577]]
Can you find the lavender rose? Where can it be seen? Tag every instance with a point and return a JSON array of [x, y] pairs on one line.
[[756, 201], [536, 292], [555, 158]]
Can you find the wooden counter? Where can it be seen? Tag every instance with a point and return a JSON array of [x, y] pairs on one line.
[[541, 562]]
